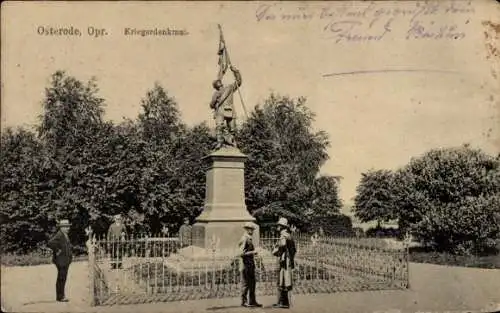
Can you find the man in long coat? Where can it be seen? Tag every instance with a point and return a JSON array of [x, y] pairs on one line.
[[285, 251], [185, 233], [62, 257], [247, 267], [116, 235]]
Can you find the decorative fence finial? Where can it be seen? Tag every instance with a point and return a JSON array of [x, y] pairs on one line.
[[407, 240], [88, 231], [90, 237]]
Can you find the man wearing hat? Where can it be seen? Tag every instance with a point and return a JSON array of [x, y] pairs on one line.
[[116, 233], [247, 267], [285, 250], [62, 257]]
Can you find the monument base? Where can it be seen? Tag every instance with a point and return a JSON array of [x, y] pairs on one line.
[[223, 235]]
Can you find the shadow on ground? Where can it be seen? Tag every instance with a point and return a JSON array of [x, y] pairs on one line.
[[218, 308]]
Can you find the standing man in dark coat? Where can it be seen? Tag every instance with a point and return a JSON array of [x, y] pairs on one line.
[[247, 267], [116, 234], [185, 233], [62, 257], [285, 250]]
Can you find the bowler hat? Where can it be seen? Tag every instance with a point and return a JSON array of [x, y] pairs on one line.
[[63, 223], [283, 222]]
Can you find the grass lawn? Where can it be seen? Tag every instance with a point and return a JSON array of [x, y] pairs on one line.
[[419, 255], [32, 258]]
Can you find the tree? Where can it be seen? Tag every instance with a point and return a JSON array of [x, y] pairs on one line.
[[115, 164], [374, 200], [449, 198], [324, 212], [28, 174], [173, 178], [195, 144], [173, 182], [160, 120], [72, 128], [284, 158], [52, 165], [468, 226], [325, 201], [71, 112]]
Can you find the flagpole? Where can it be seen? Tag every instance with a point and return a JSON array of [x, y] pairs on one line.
[[229, 61]]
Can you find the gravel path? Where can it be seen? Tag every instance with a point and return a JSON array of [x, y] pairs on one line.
[[433, 288], [32, 288]]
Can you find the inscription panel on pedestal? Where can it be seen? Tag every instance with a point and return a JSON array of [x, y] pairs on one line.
[[229, 185]]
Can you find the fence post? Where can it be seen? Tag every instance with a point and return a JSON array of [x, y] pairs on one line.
[[214, 245], [91, 263], [407, 242]]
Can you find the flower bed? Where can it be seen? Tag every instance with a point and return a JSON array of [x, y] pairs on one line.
[[308, 277]]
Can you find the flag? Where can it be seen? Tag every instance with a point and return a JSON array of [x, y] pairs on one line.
[[223, 61]]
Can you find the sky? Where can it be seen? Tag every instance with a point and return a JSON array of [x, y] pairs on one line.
[[386, 80]]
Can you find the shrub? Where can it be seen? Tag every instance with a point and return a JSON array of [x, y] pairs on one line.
[[359, 232], [428, 255], [374, 199], [450, 199], [338, 225], [381, 232], [469, 226], [37, 257]]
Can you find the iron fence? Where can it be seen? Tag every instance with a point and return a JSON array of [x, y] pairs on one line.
[[154, 269]]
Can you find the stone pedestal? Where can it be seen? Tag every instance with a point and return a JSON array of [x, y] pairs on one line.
[[225, 210], [218, 229]]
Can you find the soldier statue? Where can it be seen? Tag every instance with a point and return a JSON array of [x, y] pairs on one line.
[[223, 107]]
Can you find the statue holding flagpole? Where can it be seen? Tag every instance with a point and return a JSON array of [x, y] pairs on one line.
[[222, 99]]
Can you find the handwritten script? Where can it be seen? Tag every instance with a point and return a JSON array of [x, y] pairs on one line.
[[375, 21]]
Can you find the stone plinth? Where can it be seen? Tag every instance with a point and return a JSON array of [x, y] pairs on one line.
[[225, 210], [193, 259]]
